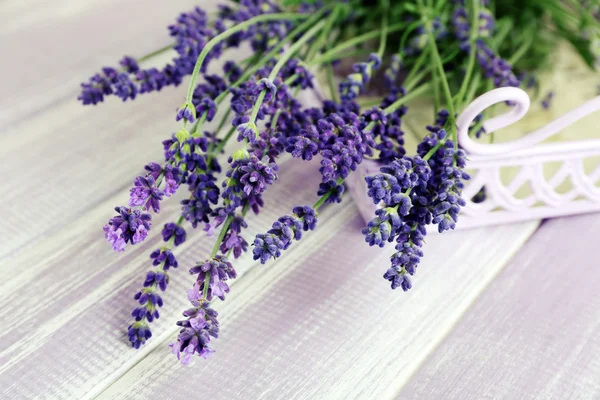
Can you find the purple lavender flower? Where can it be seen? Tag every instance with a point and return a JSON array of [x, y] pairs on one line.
[[391, 73], [146, 194], [138, 333], [295, 67], [343, 144], [332, 189], [283, 232], [174, 231], [308, 216], [407, 257], [420, 37], [150, 80], [268, 87], [233, 71], [355, 83], [186, 112], [493, 66], [389, 135], [214, 273], [255, 176], [99, 86], [124, 88], [149, 304], [211, 88], [266, 246], [129, 226], [163, 257], [247, 178], [392, 188], [248, 131], [547, 101], [198, 207], [158, 279], [171, 175], [191, 32], [129, 64], [207, 106], [196, 332], [305, 145], [233, 241], [413, 193]]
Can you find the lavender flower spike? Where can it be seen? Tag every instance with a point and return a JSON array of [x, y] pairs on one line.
[[283, 232], [129, 226], [201, 321], [196, 332], [187, 112]]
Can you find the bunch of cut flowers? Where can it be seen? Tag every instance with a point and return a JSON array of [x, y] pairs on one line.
[[445, 51]]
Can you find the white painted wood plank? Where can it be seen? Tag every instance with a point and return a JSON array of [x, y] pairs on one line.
[[67, 300], [322, 323], [534, 333]]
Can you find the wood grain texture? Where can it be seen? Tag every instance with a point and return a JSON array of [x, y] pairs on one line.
[[534, 333], [68, 299], [323, 324]]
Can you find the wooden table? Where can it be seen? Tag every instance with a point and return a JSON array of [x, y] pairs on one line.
[[510, 312]]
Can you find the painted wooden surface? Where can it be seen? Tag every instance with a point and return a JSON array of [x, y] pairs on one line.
[[319, 323], [534, 333]]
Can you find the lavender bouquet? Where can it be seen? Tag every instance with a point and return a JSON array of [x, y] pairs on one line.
[[446, 51]]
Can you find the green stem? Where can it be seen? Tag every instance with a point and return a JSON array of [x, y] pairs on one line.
[[474, 34], [275, 50], [294, 49], [214, 252], [224, 35], [275, 119], [257, 105], [473, 89], [323, 36], [324, 197], [415, 80], [453, 53], [414, 25], [349, 55], [417, 66], [384, 33], [223, 142], [523, 48], [354, 41], [224, 229], [436, 92], [224, 120], [402, 101], [282, 61], [244, 212], [155, 53], [435, 148], [368, 103], [405, 99], [331, 83], [445, 85], [290, 80]]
